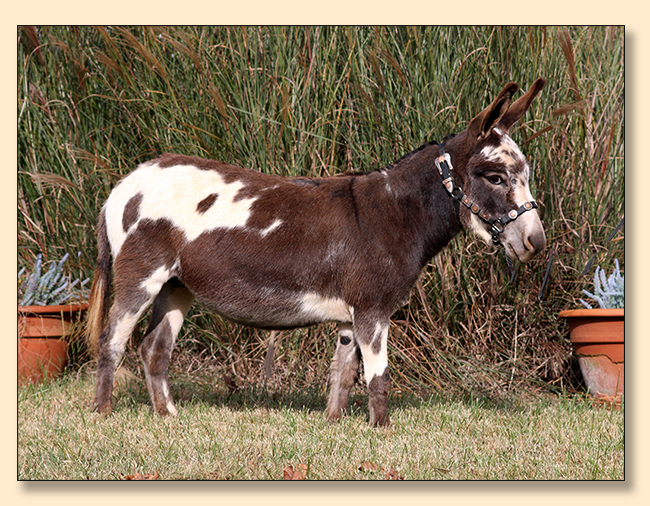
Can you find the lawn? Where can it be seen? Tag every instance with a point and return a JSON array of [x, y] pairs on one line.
[[260, 434]]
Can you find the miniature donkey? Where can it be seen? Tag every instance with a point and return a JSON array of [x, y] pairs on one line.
[[275, 253]]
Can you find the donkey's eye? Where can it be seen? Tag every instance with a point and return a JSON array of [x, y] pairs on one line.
[[495, 179]]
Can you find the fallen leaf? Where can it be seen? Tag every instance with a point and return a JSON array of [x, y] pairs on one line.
[[366, 465], [295, 474], [140, 476], [302, 468], [392, 475], [123, 377]]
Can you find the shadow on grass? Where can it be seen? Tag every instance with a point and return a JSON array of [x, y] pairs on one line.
[[198, 391], [213, 391]]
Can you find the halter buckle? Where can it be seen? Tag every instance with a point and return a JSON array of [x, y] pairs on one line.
[[442, 159], [497, 228]]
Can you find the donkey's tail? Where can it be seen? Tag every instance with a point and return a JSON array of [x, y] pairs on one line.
[[101, 288]]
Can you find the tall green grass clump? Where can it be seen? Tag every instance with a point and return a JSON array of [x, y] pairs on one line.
[[94, 102]]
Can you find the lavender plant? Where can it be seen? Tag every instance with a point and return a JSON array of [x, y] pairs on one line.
[[609, 292], [51, 288]]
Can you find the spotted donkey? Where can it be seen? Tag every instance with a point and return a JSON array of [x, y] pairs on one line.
[[274, 252]]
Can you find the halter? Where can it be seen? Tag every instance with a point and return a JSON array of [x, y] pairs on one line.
[[443, 162]]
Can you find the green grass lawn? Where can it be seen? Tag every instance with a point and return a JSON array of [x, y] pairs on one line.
[[256, 434]]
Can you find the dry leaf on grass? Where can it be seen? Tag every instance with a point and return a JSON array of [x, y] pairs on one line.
[[230, 383], [392, 474], [140, 476], [299, 473], [366, 465]]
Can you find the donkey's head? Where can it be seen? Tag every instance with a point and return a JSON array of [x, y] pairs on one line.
[[493, 174]]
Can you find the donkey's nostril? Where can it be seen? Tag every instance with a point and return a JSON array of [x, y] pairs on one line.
[[535, 242]]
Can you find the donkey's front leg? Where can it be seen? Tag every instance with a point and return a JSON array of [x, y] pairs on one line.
[[169, 309], [343, 373], [372, 338]]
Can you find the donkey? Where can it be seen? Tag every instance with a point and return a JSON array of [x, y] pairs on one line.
[[277, 253]]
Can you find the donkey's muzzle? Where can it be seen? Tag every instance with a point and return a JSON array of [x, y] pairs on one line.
[[533, 243], [536, 242]]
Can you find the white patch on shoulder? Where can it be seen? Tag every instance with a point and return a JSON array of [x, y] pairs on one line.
[[389, 189], [326, 308], [173, 193]]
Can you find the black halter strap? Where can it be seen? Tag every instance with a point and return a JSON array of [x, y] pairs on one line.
[[443, 163]]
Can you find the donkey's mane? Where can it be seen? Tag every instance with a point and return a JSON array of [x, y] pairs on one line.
[[415, 151], [390, 165], [411, 153]]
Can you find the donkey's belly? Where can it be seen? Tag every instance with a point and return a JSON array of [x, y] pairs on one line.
[[256, 281], [273, 308]]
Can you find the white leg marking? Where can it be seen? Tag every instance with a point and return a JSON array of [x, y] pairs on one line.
[[170, 404], [374, 364], [175, 318], [156, 280], [123, 329], [124, 326]]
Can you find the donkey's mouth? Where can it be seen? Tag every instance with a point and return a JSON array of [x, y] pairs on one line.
[[529, 246]]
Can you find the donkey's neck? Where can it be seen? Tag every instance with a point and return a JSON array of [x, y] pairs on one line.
[[417, 207]]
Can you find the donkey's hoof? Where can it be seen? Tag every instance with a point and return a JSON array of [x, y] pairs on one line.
[[333, 415], [379, 417], [105, 410], [166, 410]]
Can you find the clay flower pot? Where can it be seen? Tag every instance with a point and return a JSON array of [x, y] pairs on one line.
[[42, 348], [598, 339]]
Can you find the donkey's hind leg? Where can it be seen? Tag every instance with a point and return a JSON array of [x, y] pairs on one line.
[[132, 296], [169, 310], [343, 373], [123, 317]]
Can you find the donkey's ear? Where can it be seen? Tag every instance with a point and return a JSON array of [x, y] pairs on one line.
[[489, 117], [521, 105]]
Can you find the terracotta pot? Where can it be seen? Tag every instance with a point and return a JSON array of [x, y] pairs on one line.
[[598, 338], [42, 349]]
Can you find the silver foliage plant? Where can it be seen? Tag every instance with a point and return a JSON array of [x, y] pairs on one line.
[[52, 288], [609, 292]]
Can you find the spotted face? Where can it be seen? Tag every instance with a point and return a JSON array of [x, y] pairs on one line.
[[498, 177]]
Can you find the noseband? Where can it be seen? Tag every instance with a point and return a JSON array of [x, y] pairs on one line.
[[443, 162]]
